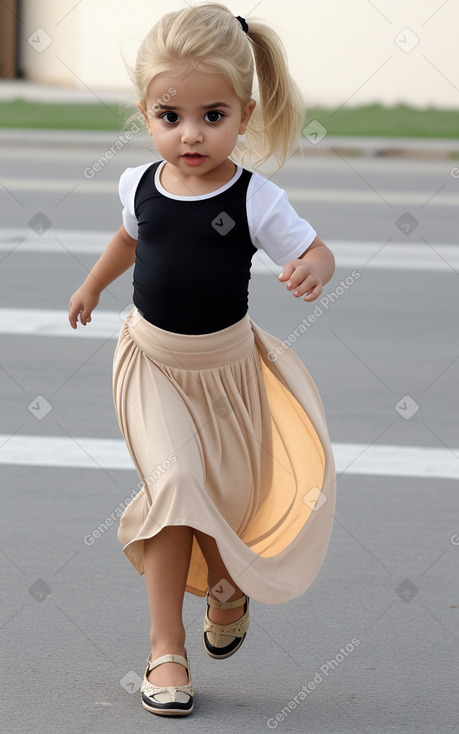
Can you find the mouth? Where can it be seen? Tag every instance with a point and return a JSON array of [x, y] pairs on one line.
[[193, 159]]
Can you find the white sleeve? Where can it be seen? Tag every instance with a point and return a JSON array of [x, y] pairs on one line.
[[274, 224], [129, 181]]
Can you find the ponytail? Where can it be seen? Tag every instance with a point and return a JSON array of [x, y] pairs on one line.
[[274, 128]]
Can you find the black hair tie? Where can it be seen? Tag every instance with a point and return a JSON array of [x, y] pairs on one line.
[[243, 23]]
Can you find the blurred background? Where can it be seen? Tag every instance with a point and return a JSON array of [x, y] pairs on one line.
[[387, 51], [365, 68]]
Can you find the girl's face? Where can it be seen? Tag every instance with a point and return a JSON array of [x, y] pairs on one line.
[[194, 120]]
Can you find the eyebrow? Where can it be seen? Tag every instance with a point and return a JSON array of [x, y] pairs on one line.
[[203, 107]]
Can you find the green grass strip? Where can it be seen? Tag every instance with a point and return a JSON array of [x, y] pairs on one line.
[[22, 114], [377, 121], [372, 120]]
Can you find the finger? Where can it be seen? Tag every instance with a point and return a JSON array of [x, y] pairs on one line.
[[313, 293], [78, 314], [304, 285], [73, 315], [299, 275], [287, 271], [85, 316]]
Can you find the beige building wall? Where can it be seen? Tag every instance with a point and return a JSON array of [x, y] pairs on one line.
[[342, 52]]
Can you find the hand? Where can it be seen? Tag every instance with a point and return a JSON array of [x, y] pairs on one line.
[[82, 304], [303, 277]]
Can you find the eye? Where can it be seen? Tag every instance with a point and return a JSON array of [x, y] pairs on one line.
[[170, 117], [214, 116]]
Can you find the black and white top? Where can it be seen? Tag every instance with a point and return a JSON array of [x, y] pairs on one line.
[[194, 253]]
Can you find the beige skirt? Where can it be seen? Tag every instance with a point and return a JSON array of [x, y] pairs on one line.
[[228, 435]]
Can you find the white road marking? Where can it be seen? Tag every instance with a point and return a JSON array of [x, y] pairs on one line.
[[93, 453], [51, 451], [89, 187], [47, 322], [372, 255]]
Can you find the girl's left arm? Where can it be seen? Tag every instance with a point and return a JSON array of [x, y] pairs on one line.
[[307, 274]]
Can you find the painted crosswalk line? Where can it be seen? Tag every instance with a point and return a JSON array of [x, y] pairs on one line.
[[393, 255], [351, 458]]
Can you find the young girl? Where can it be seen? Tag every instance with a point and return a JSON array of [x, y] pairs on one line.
[[222, 420]]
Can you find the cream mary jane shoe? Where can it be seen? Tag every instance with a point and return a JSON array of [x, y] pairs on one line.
[[167, 700], [223, 640]]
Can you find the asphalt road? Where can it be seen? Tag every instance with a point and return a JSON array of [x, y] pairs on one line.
[[75, 619]]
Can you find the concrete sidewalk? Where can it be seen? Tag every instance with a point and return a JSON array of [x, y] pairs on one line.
[[49, 93]]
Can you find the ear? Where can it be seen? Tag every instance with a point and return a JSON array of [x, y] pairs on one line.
[[246, 115], [145, 117]]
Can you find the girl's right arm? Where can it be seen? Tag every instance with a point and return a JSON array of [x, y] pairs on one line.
[[115, 260]]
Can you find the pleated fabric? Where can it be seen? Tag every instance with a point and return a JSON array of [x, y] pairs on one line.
[[229, 437]]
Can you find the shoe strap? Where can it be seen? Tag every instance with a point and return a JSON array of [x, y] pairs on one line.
[[171, 658], [228, 604], [235, 629]]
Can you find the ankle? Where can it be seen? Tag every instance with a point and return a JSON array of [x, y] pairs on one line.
[[167, 644], [224, 590]]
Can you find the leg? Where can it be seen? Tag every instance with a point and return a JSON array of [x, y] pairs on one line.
[[166, 560], [217, 573]]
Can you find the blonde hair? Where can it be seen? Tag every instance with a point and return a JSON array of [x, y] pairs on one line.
[[211, 38]]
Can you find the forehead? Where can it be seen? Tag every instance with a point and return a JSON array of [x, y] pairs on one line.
[[191, 86]]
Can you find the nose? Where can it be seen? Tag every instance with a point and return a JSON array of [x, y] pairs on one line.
[[191, 133]]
